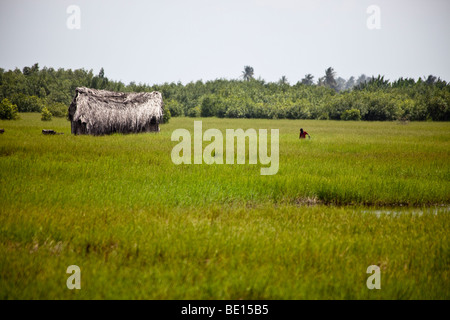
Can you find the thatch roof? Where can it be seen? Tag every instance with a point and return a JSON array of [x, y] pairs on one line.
[[104, 112]]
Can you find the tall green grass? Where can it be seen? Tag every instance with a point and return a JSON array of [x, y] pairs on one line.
[[141, 227], [380, 163]]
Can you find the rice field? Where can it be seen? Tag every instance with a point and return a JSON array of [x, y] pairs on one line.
[[140, 227]]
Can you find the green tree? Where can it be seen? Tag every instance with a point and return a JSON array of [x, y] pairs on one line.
[[35, 68], [176, 109], [352, 114], [208, 106], [350, 83], [330, 80], [321, 81], [361, 80], [46, 115], [340, 84], [431, 80], [32, 88], [58, 109], [308, 80], [166, 116], [8, 111], [248, 73], [438, 109], [26, 71], [194, 112], [26, 103], [283, 80]]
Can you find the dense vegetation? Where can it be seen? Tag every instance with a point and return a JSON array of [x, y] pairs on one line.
[[142, 227], [331, 97], [356, 194]]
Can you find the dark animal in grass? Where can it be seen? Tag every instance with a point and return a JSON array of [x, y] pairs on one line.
[[48, 131], [2, 130]]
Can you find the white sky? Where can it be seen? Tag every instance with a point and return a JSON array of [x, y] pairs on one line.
[[168, 41]]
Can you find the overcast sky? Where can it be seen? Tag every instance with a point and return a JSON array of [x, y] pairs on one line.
[[169, 41]]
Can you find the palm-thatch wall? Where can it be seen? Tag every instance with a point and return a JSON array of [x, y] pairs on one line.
[[99, 112]]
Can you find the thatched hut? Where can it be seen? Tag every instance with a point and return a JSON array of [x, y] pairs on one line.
[[99, 112]]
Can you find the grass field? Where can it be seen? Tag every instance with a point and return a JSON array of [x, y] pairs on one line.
[[139, 227]]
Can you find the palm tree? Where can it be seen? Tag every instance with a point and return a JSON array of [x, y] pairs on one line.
[[350, 83], [362, 79], [308, 79], [330, 81], [283, 80], [340, 84], [430, 80], [248, 72]]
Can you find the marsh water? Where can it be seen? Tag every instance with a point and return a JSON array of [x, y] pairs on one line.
[[408, 210]]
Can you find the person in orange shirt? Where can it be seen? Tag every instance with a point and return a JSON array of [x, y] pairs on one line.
[[303, 134]]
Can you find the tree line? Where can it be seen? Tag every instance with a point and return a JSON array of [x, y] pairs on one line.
[[330, 97]]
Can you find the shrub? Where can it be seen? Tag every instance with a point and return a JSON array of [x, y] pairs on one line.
[[221, 105], [46, 115], [323, 116], [280, 113], [27, 103], [338, 106], [58, 109], [299, 110], [352, 114], [175, 108], [8, 111], [438, 109], [381, 107], [166, 116], [208, 106], [235, 111], [194, 112]]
